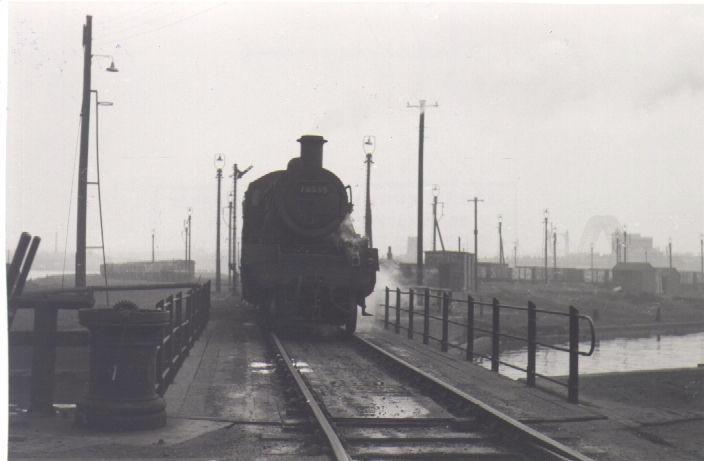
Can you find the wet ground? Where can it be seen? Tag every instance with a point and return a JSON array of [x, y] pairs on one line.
[[227, 403], [350, 386]]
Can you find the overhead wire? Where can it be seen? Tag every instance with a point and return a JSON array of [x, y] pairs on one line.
[[139, 34], [70, 199], [113, 25], [110, 35]]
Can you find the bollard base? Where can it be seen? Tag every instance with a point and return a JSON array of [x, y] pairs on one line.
[[111, 415]]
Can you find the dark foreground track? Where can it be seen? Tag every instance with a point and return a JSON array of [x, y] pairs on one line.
[[370, 404]]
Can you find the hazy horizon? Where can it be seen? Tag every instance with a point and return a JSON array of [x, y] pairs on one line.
[[584, 110]]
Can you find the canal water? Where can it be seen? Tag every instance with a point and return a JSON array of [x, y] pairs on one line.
[[614, 355]]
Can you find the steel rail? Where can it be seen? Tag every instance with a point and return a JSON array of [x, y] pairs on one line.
[[333, 440], [534, 438]]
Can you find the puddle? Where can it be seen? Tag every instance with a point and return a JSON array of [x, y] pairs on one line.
[[303, 367], [261, 368], [394, 407]]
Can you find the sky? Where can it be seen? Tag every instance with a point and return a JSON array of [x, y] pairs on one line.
[[581, 109]]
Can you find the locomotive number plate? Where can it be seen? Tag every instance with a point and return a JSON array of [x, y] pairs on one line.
[[313, 188]]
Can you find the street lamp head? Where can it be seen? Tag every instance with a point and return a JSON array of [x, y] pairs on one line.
[[112, 67], [546, 213], [219, 161], [369, 144], [436, 191]]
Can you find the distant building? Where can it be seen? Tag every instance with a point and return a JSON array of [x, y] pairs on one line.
[[493, 271], [452, 270], [636, 278], [644, 278]]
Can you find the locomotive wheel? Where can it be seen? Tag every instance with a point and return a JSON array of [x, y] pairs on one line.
[[271, 316], [351, 322]]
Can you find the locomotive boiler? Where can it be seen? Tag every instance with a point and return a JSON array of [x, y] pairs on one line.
[[301, 258]]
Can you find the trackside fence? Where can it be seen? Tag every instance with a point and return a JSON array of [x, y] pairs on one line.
[[427, 313], [189, 315]]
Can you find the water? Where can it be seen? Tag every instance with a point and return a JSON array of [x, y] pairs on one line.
[[39, 274], [614, 355]]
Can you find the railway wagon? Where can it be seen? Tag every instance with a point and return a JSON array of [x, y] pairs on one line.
[[301, 257]]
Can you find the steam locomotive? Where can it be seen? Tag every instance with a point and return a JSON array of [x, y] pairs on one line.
[[301, 258]]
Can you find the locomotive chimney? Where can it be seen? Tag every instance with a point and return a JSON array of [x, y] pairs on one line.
[[312, 151]]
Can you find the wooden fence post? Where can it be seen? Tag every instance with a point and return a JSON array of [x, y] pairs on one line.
[[43, 358]]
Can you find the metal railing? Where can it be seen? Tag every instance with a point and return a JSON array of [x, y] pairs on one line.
[[418, 302], [189, 315]]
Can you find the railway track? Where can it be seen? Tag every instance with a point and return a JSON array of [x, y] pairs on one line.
[[369, 404]]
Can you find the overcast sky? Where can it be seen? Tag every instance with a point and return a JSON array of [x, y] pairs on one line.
[[584, 110]]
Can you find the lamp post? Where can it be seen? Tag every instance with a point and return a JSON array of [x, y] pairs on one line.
[[82, 191], [369, 145], [152, 245], [476, 248], [219, 164], [236, 174], [669, 247]]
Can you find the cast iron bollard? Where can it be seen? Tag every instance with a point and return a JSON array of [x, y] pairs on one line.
[[121, 393]]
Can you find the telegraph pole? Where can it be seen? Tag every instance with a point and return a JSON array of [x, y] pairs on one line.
[[515, 253], [236, 174], [369, 146], [229, 244], [419, 246], [476, 249], [83, 157], [502, 260], [152, 245], [188, 237], [625, 246], [546, 245], [591, 260], [554, 252], [669, 245]]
